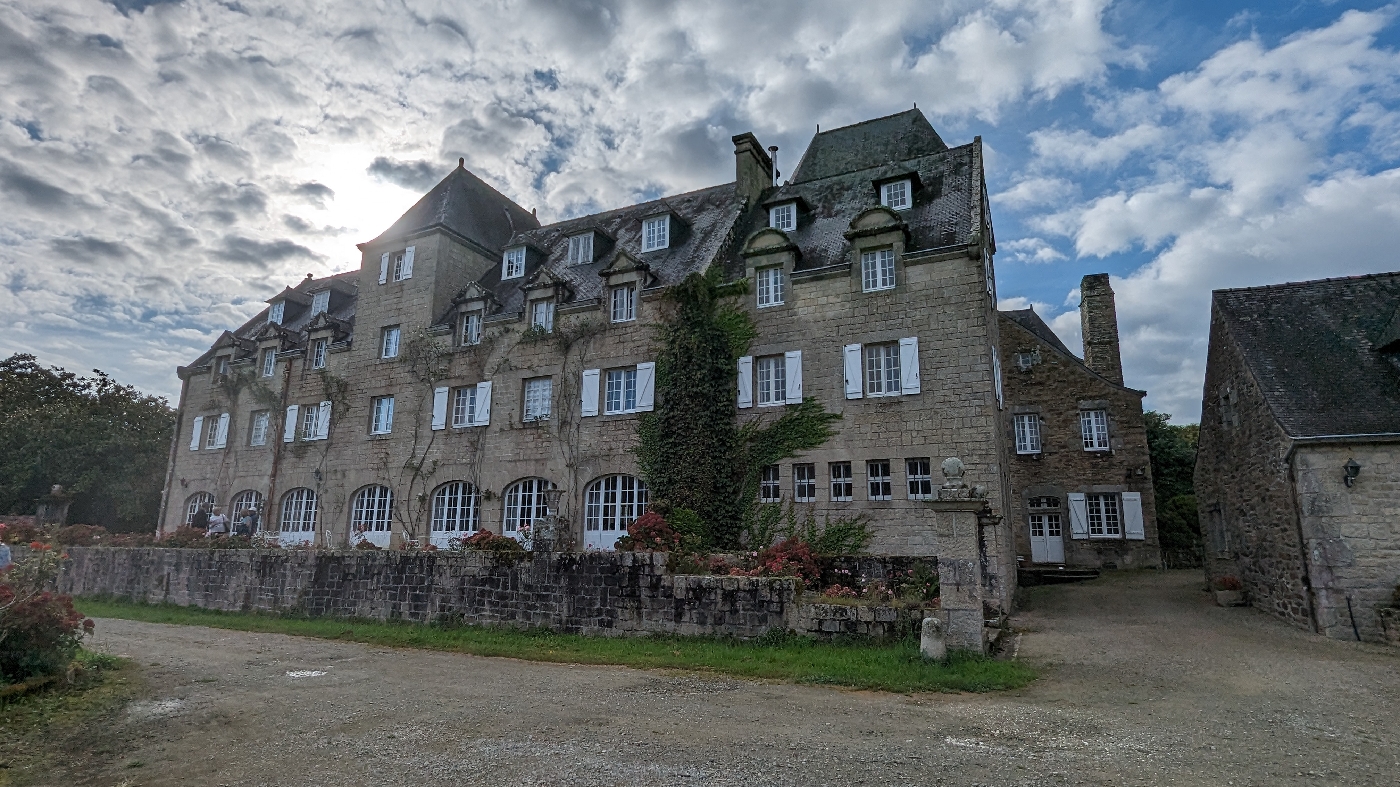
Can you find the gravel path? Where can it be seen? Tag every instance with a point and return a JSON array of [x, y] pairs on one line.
[[1143, 683]]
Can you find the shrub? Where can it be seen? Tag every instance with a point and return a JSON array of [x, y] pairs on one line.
[[182, 537], [21, 533], [81, 535], [131, 540], [651, 533], [791, 558], [1228, 583], [366, 545], [39, 630], [490, 542]]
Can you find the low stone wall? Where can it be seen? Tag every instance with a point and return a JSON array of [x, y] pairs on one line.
[[592, 593], [877, 622]]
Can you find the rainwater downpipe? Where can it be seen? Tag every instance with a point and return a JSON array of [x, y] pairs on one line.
[[270, 504]]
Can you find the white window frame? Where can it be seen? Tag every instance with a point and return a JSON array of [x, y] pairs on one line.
[[542, 314], [769, 286], [620, 391], [471, 328], [770, 484], [842, 484], [194, 502], [389, 342], [277, 312], [879, 485], [1104, 514], [581, 249], [1093, 427], [257, 430], [221, 366], [783, 217], [310, 418], [318, 353], [612, 503], [882, 369], [211, 427], [538, 399], [298, 511], [524, 504], [464, 406], [269, 362], [381, 415], [897, 194], [1027, 429], [877, 270], [771, 374], [623, 303], [513, 263], [918, 475], [804, 482], [656, 233], [456, 508], [372, 511], [320, 302]]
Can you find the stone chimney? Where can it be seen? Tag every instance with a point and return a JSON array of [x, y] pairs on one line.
[[1098, 320], [753, 169]]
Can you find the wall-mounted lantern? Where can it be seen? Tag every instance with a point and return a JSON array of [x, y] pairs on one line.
[[1352, 470]]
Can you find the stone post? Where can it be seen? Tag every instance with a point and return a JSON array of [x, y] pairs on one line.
[[53, 507], [958, 515]]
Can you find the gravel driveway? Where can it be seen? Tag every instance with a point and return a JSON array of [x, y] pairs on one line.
[[1143, 682]]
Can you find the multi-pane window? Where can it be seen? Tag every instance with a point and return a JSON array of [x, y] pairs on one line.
[[804, 483], [382, 415], [197, 501], [320, 302], [842, 488], [464, 406], [403, 267], [1045, 525], [221, 366], [772, 380], [783, 217], [1027, 433], [770, 286], [542, 315], [1102, 511], [299, 511], [581, 249], [877, 475], [877, 270], [1093, 424], [389, 342], [211, 439], [371, 511], [624, 303], [276, 312], [895, 195], [310, 418], [318, 353], [656, 233], [243, 502], [612, 504], [257, 430], [471, 328], [456, 508], [882, 377], [920, 479], [513, 263], [525, 504], [538, 394], [621, 393], [269, 362], [770, 487]]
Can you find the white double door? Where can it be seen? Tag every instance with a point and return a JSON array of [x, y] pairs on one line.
[[1047, 539]]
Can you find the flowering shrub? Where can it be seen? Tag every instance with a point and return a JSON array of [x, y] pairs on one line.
[[650, 532], [840, 591], [490, 542], [791, 558], [39, 630], [21, 533], [1228, 583], [81, 535], [183, 537], [365, 545]]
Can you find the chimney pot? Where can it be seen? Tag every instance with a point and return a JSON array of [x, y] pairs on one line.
[[1098, 321], [753, 167]]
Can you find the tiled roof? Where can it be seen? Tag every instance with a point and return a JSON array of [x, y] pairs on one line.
[[1028, 319], [342, 307], [867, 145], [1312, 348], [467, 206]]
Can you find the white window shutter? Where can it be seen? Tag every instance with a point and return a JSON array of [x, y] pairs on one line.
[[323, 421], [1078, 516], [289, 429], [855, 380], [1132, 517], [408, 262], [589, 405], [384, 268], [793, 360], [646, 387], [909, 365], [198, 432], [996, 376], [483, 404], [746, 381], [440, 408], [221, 432]]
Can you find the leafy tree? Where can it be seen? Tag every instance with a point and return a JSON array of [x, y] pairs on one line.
[[1173, 451], [106, 443]]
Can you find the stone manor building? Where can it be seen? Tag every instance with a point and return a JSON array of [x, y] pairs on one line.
[[477, 360]]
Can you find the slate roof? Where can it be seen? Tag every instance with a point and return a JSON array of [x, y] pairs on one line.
[[867, 145], [1028, 319], [343, 286], [464, 204], [1315, 349]]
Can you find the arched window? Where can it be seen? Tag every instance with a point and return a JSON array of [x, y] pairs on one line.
[[198, 500], [247, 500], [372, 515], [298, 514], [524, 505], [611, 504], [456, 510]]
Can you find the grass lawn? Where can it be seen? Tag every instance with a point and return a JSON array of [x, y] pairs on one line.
[[889, 667]]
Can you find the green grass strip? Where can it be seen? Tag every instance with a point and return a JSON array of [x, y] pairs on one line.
[[895, 667]]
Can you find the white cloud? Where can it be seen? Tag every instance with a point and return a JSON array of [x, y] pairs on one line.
[[1031, 250]]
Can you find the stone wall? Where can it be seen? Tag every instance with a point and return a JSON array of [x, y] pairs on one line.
[[589, 593], [858, 620]]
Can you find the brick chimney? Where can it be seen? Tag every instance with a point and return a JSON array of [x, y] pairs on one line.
[[1098, 320], [753, 169]]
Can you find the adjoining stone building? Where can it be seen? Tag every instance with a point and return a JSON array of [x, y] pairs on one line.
[[477, 359], [1298, 469]]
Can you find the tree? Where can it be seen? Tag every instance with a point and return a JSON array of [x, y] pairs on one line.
[[1173, 452], [106, 443]]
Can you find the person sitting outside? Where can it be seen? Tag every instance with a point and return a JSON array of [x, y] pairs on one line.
[[218, 524], [247, 524], [200, 520]]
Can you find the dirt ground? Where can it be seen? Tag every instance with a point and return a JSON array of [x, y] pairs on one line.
[[1143, 682]]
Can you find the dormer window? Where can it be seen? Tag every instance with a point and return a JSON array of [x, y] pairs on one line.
[[221, 366], [656, 233], [542, 315], [783, 217], [320, 302], [513, 265], [471, 328], [403, 264], [581, 249], [275, 312], [896, 195]]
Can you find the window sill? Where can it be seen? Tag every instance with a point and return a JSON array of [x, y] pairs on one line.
[[379, 435], [771, 305]]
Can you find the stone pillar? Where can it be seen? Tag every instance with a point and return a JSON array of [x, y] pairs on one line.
[[53, 507], [753, 167], [1098, 319], [958, 529]]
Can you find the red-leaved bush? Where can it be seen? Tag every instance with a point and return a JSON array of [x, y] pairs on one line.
[[791, 558], [39, 635], [485, 539], [1228, 583], [650, 533]]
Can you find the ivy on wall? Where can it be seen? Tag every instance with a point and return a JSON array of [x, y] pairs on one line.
[[691, 450]]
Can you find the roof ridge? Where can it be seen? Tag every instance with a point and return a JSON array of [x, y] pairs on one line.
[[867, 121], [630, 207], [1307, 282]]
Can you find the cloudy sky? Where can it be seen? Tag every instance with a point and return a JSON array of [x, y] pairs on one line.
[[166, 166]]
